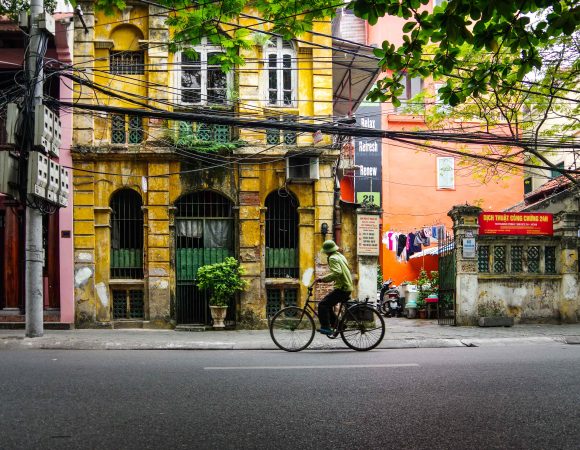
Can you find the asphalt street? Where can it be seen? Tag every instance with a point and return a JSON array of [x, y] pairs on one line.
[[523, 397]]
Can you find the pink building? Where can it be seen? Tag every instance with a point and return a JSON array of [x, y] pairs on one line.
[[57, 228]]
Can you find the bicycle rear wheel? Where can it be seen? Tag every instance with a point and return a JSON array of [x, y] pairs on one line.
[[292, 329], [362, 328]]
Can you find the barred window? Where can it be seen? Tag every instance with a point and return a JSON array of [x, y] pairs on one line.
[[127, 63], [126, 235], [515, 259], [289, 136]]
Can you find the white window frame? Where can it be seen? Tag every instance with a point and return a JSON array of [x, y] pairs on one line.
[[445, 164], [280, 52], [203, 50]]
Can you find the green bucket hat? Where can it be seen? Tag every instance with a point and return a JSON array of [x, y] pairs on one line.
[[329, 246]]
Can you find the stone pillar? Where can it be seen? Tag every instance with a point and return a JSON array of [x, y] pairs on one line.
[[465, 226], [157, 252], [367, 257], [102, 233], [84, 245], [252, 300], [566, 225], [307, 243]]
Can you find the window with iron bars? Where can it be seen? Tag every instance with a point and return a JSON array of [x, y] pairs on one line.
[[127, 63], [281, 236], [517, 258], [128, 304], [278, 298], [126, 129], [126, 235]]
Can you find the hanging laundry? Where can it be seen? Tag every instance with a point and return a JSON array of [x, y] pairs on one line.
[[401, 244]]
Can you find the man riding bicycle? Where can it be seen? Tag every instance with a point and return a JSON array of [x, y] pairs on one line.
[[340, 275]]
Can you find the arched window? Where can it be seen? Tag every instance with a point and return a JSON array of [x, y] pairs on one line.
[[281, 235], [280, 57], [204, 234], [126, 235]]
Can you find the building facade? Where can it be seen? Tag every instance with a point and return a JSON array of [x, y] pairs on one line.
[[155, 199]]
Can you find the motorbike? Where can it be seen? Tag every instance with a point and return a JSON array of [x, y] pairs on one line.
[[390, 304]]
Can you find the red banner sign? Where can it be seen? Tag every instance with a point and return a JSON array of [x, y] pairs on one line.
[[527, 224]]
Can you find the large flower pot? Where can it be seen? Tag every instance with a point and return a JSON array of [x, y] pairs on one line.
[[218, 314]]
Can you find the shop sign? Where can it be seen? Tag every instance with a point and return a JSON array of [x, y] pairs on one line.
[[523, 224], [367, 156], [367, 242]]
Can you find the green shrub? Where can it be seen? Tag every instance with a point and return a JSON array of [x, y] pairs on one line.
[[222, 280]]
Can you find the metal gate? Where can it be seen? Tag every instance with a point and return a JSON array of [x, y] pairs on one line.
[[447, 279], [204, 225]]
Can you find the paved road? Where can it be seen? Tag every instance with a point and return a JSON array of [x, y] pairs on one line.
[[453, 398]]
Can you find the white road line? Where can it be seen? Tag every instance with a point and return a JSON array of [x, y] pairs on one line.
[[350, 366]]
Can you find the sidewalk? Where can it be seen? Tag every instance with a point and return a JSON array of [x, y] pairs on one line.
[[401, 333]]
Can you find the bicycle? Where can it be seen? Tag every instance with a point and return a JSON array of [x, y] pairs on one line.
[[359, 324]]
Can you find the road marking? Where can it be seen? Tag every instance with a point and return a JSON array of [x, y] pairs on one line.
[[350, 366]]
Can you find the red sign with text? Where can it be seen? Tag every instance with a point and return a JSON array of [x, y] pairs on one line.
[[527, 224]]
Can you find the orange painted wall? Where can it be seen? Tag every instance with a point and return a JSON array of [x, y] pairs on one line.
[[411, 199]]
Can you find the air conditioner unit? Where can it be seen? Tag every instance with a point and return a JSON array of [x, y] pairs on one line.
[[302, 168]]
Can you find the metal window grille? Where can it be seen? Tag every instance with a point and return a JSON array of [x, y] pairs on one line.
[[499, 265], [118, 135], [550, 259], [204, 234], [517, 253], [289, 136], [273, 301], [126, 235], [128, 304], [273, 136], [483, 258], [533, 259], [135, 130], [127, 63], [281, 236], [276, 299], [205, 132]]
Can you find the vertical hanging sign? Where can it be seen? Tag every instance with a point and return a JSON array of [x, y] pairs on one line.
[[367, 155]]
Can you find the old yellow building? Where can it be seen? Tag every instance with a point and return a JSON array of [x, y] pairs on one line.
[[149, 210]]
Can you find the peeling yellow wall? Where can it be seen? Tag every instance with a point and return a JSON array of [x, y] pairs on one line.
[[141, 168]]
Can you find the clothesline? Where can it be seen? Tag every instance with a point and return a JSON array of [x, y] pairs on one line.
[[406, 245]]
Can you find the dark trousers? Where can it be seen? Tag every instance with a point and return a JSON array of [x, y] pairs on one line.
[[326, 313]]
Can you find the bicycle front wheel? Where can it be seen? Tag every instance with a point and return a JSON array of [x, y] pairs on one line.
[[292, 329], [362, 328]]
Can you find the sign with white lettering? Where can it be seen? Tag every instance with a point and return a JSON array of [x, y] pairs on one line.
[[367, 242], [367, 156]]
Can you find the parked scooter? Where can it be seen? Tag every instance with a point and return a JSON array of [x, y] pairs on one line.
[[390, 304]]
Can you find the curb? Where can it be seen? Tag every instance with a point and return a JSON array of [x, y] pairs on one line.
[[17, 343]]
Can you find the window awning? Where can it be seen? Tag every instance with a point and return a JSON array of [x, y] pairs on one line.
[[354, 71]]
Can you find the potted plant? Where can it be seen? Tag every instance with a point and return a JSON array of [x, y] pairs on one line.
[[421, 307], [492, 314], [222, 280]]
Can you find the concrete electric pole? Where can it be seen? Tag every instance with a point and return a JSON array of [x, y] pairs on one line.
[[34, 252]]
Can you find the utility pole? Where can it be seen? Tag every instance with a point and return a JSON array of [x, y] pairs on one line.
[[34, 252]]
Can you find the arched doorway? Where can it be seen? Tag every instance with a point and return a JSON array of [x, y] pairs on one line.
[[204, 234], [127, 255]]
